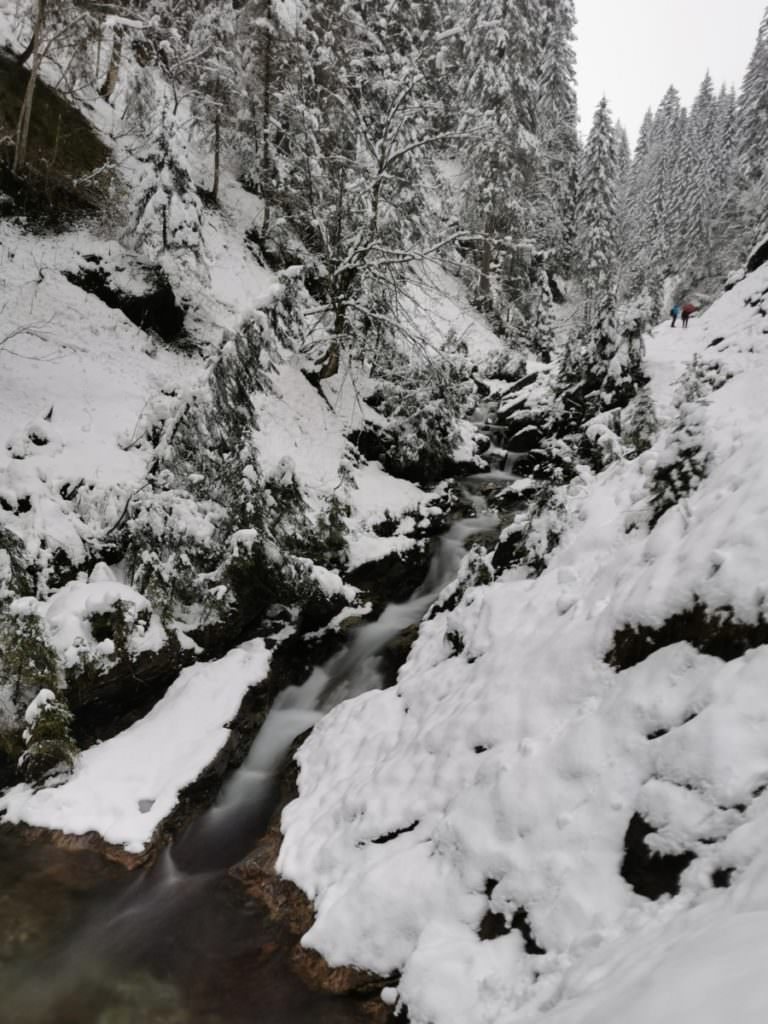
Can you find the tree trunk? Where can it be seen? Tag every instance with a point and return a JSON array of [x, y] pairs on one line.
[[25, 114], [25, 54], [266, 117], [484, 284], [216, 155], [110, 81]]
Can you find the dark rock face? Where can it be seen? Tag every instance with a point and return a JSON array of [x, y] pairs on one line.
[[106, 703], [650, 874], [758, 256], [61, 179], [154, 309], [393, 578], [717, 633], [395, 654], [494, 925]]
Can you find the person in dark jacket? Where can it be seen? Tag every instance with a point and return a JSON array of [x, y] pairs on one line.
[[675, 313], [688, 310]]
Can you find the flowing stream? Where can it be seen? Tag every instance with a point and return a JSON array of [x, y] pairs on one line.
[[181, 943]]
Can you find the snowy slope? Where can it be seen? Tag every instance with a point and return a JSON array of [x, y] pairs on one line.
[[504, 778]]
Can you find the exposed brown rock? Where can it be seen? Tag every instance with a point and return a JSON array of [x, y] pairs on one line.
[[286, 904]]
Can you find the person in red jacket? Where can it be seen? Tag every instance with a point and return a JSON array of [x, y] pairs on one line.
[[688, 310]]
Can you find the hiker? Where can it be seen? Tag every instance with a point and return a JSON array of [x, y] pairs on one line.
[[675, 314], [688, 310]]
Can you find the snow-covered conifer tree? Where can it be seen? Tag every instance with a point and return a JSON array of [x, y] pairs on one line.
[[699, 199], [597, 213], [753, 108], [666, 138], [609, 370], [168, 214], [499, 83], [541, 325], [556, 127], [213, 41]]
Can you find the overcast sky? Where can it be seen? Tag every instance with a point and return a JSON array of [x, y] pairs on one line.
[[633, 50]]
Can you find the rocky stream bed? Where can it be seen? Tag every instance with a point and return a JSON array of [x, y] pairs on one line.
[[201, 930]]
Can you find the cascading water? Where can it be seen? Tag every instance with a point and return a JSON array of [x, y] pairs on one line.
[[181, 933], [248, 798]]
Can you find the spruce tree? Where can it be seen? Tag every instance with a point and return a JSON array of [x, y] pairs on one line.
[[499, 87], [168, 214], [699, 200], [610, 368], [636, 215], [213, 43], [556, 127], [663, 209], [597, 213], [753, 108], [541, 325]]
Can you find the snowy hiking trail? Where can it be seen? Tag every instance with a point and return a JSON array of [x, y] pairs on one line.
[[668, 349], [165, 914]]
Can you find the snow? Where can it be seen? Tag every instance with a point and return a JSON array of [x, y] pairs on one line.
[[72, 389], [125, 787], [504, 777], [68, 613]]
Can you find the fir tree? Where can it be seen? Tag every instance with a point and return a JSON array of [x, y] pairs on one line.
[[556, 127], [50, 748], [500, 90], [699, 199], [753, 109], [597, 215], [213, 42], [610, 367], [168, 215], [541, 325]]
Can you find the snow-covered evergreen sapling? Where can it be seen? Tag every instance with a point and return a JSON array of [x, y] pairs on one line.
[[684, 461], [541, 327], [27, 659], [50, 748], [639, 424], [168, 215]]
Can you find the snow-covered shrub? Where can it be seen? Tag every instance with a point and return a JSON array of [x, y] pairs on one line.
[[27, 659], [639, 424], [602, 441], [544, 527], [49, 747], [557, 459], [118, 624], [504, 364], [328, 541], [683, 462], [13, 566], [422, 402], [170, 544]]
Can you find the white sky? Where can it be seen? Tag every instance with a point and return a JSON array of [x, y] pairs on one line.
[[633, 50]]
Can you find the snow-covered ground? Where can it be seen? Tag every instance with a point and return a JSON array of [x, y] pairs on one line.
[[124, 788], [502, 773]]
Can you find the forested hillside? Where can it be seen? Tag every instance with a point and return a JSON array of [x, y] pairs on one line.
[[380, 574]]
